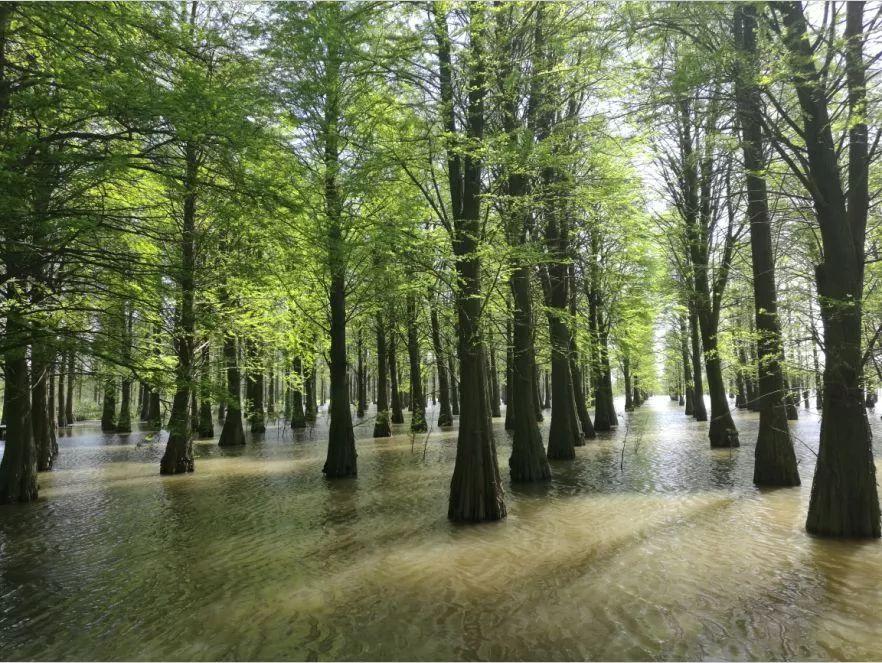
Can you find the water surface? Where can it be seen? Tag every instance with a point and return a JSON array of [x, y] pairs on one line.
[[648, 546]]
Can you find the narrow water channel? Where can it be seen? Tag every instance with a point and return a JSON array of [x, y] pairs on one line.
[[648, 546]]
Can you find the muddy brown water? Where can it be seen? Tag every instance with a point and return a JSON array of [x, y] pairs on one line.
[[663, 551]]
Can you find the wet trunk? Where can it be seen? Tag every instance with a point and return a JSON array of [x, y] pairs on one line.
[[476, 488], [178, 456], [626, 373], [50, 409], [417, 399], [381, 424], [528, 461], [18, 469], [844, 501], [397, 416], [509, 367], [342, 458], [445, 416], [454, 385]]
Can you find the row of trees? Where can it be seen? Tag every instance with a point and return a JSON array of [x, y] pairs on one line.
[[208, 198]]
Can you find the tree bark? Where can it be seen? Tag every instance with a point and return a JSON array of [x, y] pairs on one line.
[[844, 500], [417, 398], [397, 416], [445, 416], [381, 423]]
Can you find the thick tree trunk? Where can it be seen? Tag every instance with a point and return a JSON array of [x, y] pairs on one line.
[[18, 469], [528, 461], [445, 416], [475, 489], [844, 499], [417, 399]]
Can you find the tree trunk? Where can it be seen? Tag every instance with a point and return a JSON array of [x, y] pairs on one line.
[[417, 399], [108, 410], [206, 425], [311, 408], [62, 368], [69, 398], [397, 415], [699, 411], [528, 461], [18, 469], [178, 456], [40, 418], [844, 500], [454, 385], [445, 416], [298, 412], [381, 423], [475, 489]]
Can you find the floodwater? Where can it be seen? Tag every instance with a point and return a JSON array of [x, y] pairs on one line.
[[648, 546]]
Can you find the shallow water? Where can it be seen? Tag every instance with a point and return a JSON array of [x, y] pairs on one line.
[[648, 546]]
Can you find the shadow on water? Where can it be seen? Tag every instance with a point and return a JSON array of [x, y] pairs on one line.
[[649, 545]]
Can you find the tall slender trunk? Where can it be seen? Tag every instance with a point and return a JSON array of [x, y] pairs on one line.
[[360, 378], [40, 418], [381, 424], [397, 416], [62, 375], [341, 460], [699, 410], [454, 385], [689, 387], [417, 398], [206, 424], [475, 489], [178, 456], [310, 409], [445, 416]]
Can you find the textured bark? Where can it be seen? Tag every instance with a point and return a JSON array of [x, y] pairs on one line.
[[178, 456], [844, 500], [686, 360], [475, 489], [254, 390], [18, 469], [528, 461], [310, 407], [494, 384]]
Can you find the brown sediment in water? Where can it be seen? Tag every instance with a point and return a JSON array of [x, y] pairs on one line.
[[664, 552]]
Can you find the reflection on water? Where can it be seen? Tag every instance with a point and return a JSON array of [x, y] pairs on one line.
[[649, 545]]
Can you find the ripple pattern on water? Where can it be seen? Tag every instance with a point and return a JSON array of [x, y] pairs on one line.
[[648, 546]]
